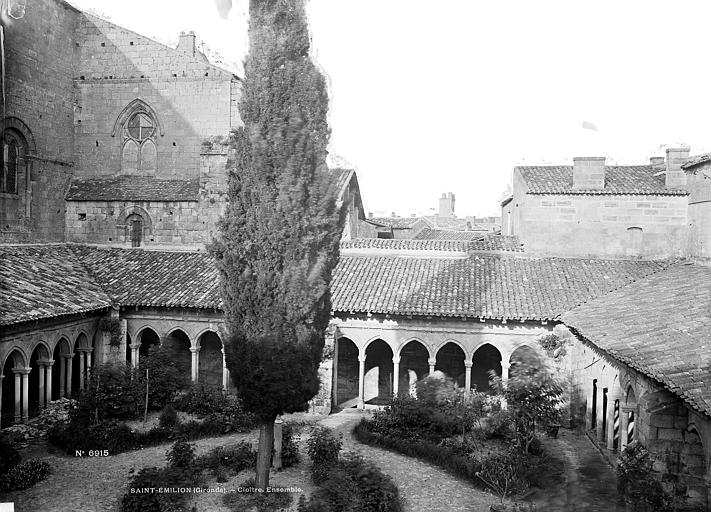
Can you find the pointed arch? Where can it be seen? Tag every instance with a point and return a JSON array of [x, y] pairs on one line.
[[137, 106]]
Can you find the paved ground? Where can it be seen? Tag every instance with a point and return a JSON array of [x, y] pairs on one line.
[[590, 484], [426, 488]]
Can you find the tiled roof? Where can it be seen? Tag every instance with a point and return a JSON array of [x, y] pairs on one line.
[[396, 222], [343, 178], [46, 281], [405, 245], [479, 286], [696, 160], [509, 243], [133, 188], [155, 278], [661, 327], [632, 179], [448, 222]]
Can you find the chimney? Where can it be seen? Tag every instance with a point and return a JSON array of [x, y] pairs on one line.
[[676, 177], [446, 205], [370, 215], [656, 161], [588, 173], [186, 43]]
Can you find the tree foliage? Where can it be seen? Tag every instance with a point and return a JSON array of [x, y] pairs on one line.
[[278, 238], [533, 399]]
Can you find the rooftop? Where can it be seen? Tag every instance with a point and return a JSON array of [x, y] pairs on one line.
[[662, 328], [631, 179], [133, 188]]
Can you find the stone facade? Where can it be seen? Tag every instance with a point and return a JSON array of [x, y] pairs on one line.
[[588, 225], [699, 215]]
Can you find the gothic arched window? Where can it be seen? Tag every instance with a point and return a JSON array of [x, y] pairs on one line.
[[13, 161], [139, 149]]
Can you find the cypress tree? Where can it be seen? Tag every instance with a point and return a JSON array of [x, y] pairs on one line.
[[278, 239]]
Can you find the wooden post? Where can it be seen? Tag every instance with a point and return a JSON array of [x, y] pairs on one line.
[[278, 424]]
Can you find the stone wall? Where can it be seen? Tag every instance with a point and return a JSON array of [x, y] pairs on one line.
[[41, 56], [166, 223], [698, 181], [601, 225], [192, 99]]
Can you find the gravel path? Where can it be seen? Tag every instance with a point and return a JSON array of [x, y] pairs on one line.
[[425, 487]]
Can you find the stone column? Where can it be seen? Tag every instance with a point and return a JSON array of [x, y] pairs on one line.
[[40, 391], [600, 427], [69, 364], [135, 354], [432, 363], [88, 364], [624, 418], [62, 375], [25, 393], [1, 377], [195, 362], [334, 374], [225, 381], [361, 382], [49, 382], [396, 374], [82, 369], [467, 374], [611, 421], [18, 394], [504, 381]]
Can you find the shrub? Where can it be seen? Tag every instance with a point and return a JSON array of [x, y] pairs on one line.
[[9, 456], [166, 378], [500, 473], [289, 445], [323, 448], [262, 501], [201, 400], [108, 395], [354, 485], [156, 478], [636, 482], [168, 417], [232, 458], [181, 455], [24, 475]]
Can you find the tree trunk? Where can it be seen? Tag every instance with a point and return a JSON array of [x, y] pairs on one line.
[[264, 453]]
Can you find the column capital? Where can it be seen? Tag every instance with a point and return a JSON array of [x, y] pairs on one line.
[[468, 364], [194, 350], [505, 366], [361, 359], [432, 361], [396, 360], [68, 356], [84, 349], [135, 345], [45, 362], [22, 371]]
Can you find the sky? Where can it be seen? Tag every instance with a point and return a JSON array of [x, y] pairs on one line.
[[442, 96]]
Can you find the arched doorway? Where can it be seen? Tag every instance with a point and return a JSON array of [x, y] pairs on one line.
[[134, 225], [378, 378], [147, 338], [630, 411], [177, 344], [522, 357], [37, 380], [486, 358], [692, 470], [414, 365], [12, 389], [450, 360], [346, 373], [210, 363], [59, 368]]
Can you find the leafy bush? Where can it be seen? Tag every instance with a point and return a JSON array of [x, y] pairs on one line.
[[168, 417], [181, 454], [9, 456], [166, 377], [228, 459], [289, 445], [108, 395], [323, 448], [147, 478], [262, 501], [24, 475], [354, 486], [636, 482], [201, 400], [500, 473]]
